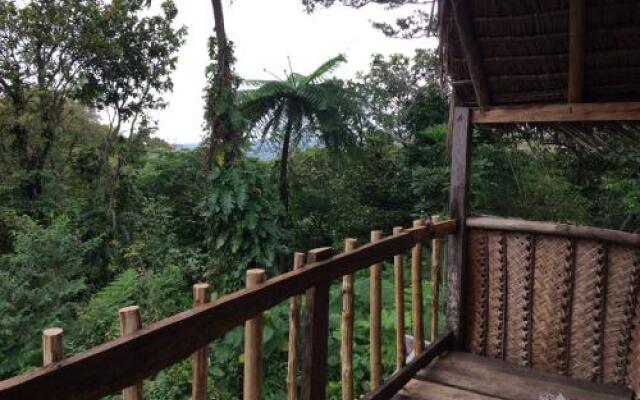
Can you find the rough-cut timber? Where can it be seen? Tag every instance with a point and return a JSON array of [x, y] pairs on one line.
[[591, 112], [200, 359], [497, 378], [456, 248]]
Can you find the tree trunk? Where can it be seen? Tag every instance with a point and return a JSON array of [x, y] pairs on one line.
[[284, 171], [222, 130]]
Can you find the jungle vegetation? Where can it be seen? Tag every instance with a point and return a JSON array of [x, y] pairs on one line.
[[97, 214]]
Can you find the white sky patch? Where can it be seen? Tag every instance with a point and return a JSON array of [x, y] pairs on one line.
[[265, 33]]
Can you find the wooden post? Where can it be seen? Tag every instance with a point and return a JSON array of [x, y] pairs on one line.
[[52, 346], [200, 359], [316, 334], [294, 322], [436, 255], [416, 294], [346, 348], [130, 323], [398, 278], [375, 318], [456, 246], [577, 22], [253, 345]]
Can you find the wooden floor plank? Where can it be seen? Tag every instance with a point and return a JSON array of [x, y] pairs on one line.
[[496, 378], [421, 390]]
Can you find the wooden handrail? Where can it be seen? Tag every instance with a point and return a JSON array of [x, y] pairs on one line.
[[555, 229], [114, 365]]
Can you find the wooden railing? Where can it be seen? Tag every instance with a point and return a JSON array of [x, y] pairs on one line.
[[143, 351]]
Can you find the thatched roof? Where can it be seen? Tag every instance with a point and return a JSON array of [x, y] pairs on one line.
[[524, 50]]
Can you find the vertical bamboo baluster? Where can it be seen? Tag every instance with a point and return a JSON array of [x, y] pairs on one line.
[[130, 323], [253, 345], [52, 346], [375, 317], [398, 277], [200, 359], [436, 255], [416, 294], [346, 349], [294, 323]]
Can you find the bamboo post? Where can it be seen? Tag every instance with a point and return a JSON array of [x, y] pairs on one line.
[[294, 323], [375, 315], [398, 278], [200, 359], [416, 294], [436, 273], [346, 349], [253, 345], [52, 346], [316, 333], [130, 322]]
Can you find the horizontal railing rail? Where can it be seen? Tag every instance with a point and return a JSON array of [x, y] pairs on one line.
[[554, 229], [126, 361]]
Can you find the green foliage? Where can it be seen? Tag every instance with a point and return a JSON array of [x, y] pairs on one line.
[[241, 216], [39, 281]]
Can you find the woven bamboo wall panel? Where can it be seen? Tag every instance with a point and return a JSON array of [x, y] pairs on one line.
[[476, 335], [563, 305], [622, 274], [519, 285], [586, 312], [496, 313], [552, 302]]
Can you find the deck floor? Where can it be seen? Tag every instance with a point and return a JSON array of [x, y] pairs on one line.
[[463, 376]]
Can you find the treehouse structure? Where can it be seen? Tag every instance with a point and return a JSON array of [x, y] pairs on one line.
[[534, 310]]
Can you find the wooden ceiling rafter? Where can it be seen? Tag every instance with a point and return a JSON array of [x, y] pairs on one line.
[[577, 32], [471, 52]]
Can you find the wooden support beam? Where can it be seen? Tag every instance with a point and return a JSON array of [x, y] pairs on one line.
[[200, 359], [375, 318], [585, 112], [130, 323], [456, 248], [417, 321], [436, 268], [398, 287], [401, 377], [316, 334], [577, 32], [471, 52], [346, 345], [294, 323], [253, 344]]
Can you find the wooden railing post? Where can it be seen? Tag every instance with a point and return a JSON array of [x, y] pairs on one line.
[[200, 359], [253, 345], [294, 323], [316, 334], [375, 318], [52, 346], [346, 349], [436, 255], [456, 245], [130, 323], [416, 294], [398, 278]]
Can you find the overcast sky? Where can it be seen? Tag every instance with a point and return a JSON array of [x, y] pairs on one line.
[[265, 32]]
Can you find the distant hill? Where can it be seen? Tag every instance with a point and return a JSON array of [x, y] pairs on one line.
[[261, 151]]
